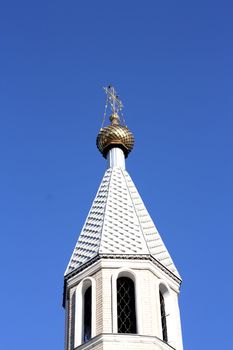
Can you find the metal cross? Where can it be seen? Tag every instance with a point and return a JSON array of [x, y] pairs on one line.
[[113, 99]]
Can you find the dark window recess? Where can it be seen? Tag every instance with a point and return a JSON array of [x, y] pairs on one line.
[[163, 317], [126, 305], [87, 315]]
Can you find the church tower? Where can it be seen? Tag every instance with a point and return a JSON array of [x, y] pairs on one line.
[[121, 286]]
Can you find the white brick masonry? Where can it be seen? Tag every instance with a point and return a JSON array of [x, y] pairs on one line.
[[148, 279]]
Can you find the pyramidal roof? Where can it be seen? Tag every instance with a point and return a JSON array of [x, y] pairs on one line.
[[119, 224]]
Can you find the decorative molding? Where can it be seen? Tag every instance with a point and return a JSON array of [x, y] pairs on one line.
[[142, 257], [119, 338], [116, 257]]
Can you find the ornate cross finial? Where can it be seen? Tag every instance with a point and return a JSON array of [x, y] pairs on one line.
[[113, 99]]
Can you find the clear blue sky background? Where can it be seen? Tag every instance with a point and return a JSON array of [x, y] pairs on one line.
[[171, 62]]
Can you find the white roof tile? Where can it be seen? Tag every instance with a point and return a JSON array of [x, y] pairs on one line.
[[118, 223]]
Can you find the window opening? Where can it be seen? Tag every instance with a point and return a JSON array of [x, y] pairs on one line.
[[163, 317], [87, 315], [126, 315]]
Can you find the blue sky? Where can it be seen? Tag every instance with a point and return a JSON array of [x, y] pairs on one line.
[[171, 63]]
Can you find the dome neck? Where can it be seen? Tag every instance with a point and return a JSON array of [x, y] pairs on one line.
[[115, 119], [116, 158]]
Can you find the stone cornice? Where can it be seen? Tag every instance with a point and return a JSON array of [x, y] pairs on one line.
[[131, 339], [118, 257]]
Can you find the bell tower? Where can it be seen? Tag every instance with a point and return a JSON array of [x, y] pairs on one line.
[[121, 286]]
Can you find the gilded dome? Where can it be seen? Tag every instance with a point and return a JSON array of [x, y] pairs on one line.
[[115, 135]]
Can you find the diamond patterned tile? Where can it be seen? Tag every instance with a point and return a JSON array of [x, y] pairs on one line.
[[118, 223]]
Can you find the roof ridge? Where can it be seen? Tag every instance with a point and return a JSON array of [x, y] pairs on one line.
[[123, 171], [157, 239], [105, 207]]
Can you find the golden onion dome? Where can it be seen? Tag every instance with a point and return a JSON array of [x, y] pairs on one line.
[[115, 135]]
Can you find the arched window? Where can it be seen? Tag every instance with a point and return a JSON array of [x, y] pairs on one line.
[[163, 317], [85, 311], [87, 315], [126, 315]]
